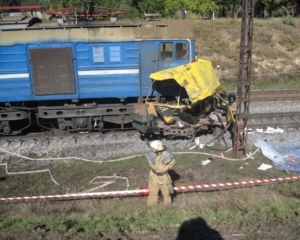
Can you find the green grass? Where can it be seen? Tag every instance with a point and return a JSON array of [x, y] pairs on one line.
[[271, 82], [275, 50], [246, 207]]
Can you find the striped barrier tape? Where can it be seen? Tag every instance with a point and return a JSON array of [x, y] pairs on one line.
[[82, 195], [144, 192], [205, 186]]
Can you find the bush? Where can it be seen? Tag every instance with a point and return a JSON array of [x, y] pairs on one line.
[[288, 21]]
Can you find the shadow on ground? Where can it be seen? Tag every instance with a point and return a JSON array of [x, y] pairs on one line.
[[195, 229]]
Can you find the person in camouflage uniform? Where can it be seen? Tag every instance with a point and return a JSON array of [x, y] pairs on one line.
[[160, 160]]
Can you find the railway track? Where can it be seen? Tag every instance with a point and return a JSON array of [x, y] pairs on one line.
[[283, 120], [257, 120], [275, 119], [273, 95]]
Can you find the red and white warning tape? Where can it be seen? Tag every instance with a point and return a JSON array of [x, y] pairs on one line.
[[144, 192], [205, 186], [83, 195]]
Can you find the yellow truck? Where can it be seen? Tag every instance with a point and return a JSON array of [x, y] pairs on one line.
[[183, 101]]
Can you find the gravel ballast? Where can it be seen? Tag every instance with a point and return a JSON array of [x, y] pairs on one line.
[[101, 147]]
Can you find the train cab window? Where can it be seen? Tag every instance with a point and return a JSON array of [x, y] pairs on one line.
[[166, 50], [181, 51]]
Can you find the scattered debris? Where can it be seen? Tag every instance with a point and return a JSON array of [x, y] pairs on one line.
[[205, 162], [197, 140], [270, 130], [250, 131], [284, 155], [264, 166], [249, 155]]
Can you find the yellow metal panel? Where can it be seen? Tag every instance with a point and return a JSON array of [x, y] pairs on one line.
[[198, 78]]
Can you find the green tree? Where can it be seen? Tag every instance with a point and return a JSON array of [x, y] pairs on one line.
[[270, 8], [30, 2], [10, 2], [291, 7], [148, 6], [105, 3], [173, 6], [201, 6]]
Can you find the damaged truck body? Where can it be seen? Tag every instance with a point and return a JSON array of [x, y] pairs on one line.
[[184, 101]]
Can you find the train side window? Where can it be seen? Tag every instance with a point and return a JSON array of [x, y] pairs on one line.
[[181, 51], [115, 54], [98, 54], [166, 50]]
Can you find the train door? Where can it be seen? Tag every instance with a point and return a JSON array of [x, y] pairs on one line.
[[174, 53], [149, 64], [52, 70]]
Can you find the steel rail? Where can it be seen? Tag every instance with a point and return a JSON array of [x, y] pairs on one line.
[[281, 125], [273, 95], [48, 137], [278, 114], [281, 91], [291, 124]]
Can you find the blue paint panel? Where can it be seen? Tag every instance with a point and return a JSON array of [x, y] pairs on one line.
[[140, 57], [16, 67], [16, 49], [13, 59], [15, 83], [105, 57], [83, 55], [121, 86], [15, 89], [129, 54], [192, 49], [150, 63]]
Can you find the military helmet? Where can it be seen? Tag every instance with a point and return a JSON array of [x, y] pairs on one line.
[[157, 145]]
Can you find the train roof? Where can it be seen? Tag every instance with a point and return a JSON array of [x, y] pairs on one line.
[[16, 29]]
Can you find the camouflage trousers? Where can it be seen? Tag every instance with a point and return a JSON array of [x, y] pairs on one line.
[[153, 193]]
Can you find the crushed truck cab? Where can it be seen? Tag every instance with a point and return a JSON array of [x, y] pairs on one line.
[[182, 101]]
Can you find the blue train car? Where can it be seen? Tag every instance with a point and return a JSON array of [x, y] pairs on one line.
[[83, 75]]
